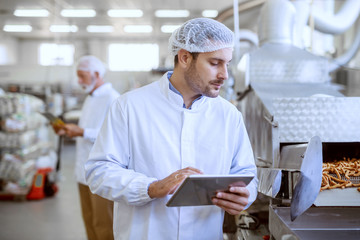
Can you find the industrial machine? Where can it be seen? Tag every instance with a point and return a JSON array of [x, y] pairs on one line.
[[297, 120], [294, 128]]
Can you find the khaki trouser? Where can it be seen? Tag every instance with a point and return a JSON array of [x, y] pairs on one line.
[[97, 213]]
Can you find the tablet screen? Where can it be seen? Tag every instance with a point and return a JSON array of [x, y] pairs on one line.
[[198, 190]]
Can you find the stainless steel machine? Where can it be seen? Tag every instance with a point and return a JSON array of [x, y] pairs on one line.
[[294, 128]]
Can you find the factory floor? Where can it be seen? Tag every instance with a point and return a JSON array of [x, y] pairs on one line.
[[55, 218]]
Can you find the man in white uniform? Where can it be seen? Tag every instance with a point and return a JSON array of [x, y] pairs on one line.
[[97, 212], [157, 135]]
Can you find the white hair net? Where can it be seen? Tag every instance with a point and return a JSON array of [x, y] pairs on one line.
[[91, 64], [201, 35]]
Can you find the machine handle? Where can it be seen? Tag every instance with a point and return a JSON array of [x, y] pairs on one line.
[[271, 121]]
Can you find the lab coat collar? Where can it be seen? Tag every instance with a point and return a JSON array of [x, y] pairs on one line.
[[175, 98], [102, 90]]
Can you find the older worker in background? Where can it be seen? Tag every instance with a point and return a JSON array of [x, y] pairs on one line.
[[157, 135], [97, 212]]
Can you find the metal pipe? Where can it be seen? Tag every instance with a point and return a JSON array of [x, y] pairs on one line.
[[276, 22], [244, 6], [236, 32], [341, 21], [349, 54]]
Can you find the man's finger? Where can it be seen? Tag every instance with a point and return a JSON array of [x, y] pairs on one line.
[[230, 207], [241, 191], [232, 198]]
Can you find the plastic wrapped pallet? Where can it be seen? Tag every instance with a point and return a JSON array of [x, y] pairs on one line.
[[24, 143]]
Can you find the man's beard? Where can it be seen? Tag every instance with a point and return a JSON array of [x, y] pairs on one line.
[[88, 88], [193, 79]]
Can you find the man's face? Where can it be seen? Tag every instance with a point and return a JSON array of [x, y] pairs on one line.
[[86, 80], [84, 77], [207, 73]]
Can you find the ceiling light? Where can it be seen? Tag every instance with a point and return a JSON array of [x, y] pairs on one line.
[[210, 13], [172, 13], [138, 28], [100, 28], [31, 13], [78, 13], [125, 13], [63, 28], [169, 28], [17, 28]]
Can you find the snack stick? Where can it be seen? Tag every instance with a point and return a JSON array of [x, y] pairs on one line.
[[337, 179], [337, 173]]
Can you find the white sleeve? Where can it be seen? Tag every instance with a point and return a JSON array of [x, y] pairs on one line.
[[106, 170], [243, 161], [90, 134]]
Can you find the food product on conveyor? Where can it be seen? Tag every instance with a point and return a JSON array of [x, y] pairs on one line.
[[341, 174]]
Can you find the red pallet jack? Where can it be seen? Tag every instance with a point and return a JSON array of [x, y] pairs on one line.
[[41, 186], [44, 182]]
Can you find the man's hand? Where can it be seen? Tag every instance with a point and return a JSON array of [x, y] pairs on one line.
[[233, 201], [169, 184], [73, 130], [68, 129], [59, 129]]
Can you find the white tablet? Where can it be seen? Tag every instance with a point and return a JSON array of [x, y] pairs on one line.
[[198, 190]]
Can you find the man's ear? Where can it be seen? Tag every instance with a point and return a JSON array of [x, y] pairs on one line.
[[97, 75], [184, 58]]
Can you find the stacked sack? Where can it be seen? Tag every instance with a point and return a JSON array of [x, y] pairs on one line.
[[23, 141]]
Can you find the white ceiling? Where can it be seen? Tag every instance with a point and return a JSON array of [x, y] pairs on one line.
[[41, 25]]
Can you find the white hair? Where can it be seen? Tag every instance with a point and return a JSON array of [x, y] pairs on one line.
[[91, 64]]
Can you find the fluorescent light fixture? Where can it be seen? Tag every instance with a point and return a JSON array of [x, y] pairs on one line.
[[125, 13], [31, 13], [17, 28], [63, 28], [78, 13], [138, 28], [172, 13], [169, 28], [100, 28], [210, 13]]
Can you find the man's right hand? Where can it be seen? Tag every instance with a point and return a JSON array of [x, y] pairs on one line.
[[59, 129], [169, 184]]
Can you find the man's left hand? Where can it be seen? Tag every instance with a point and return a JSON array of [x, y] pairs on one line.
[[233, 201]]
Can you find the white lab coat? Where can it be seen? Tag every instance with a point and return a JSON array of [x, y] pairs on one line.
[[92, 116], [146, 136]]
